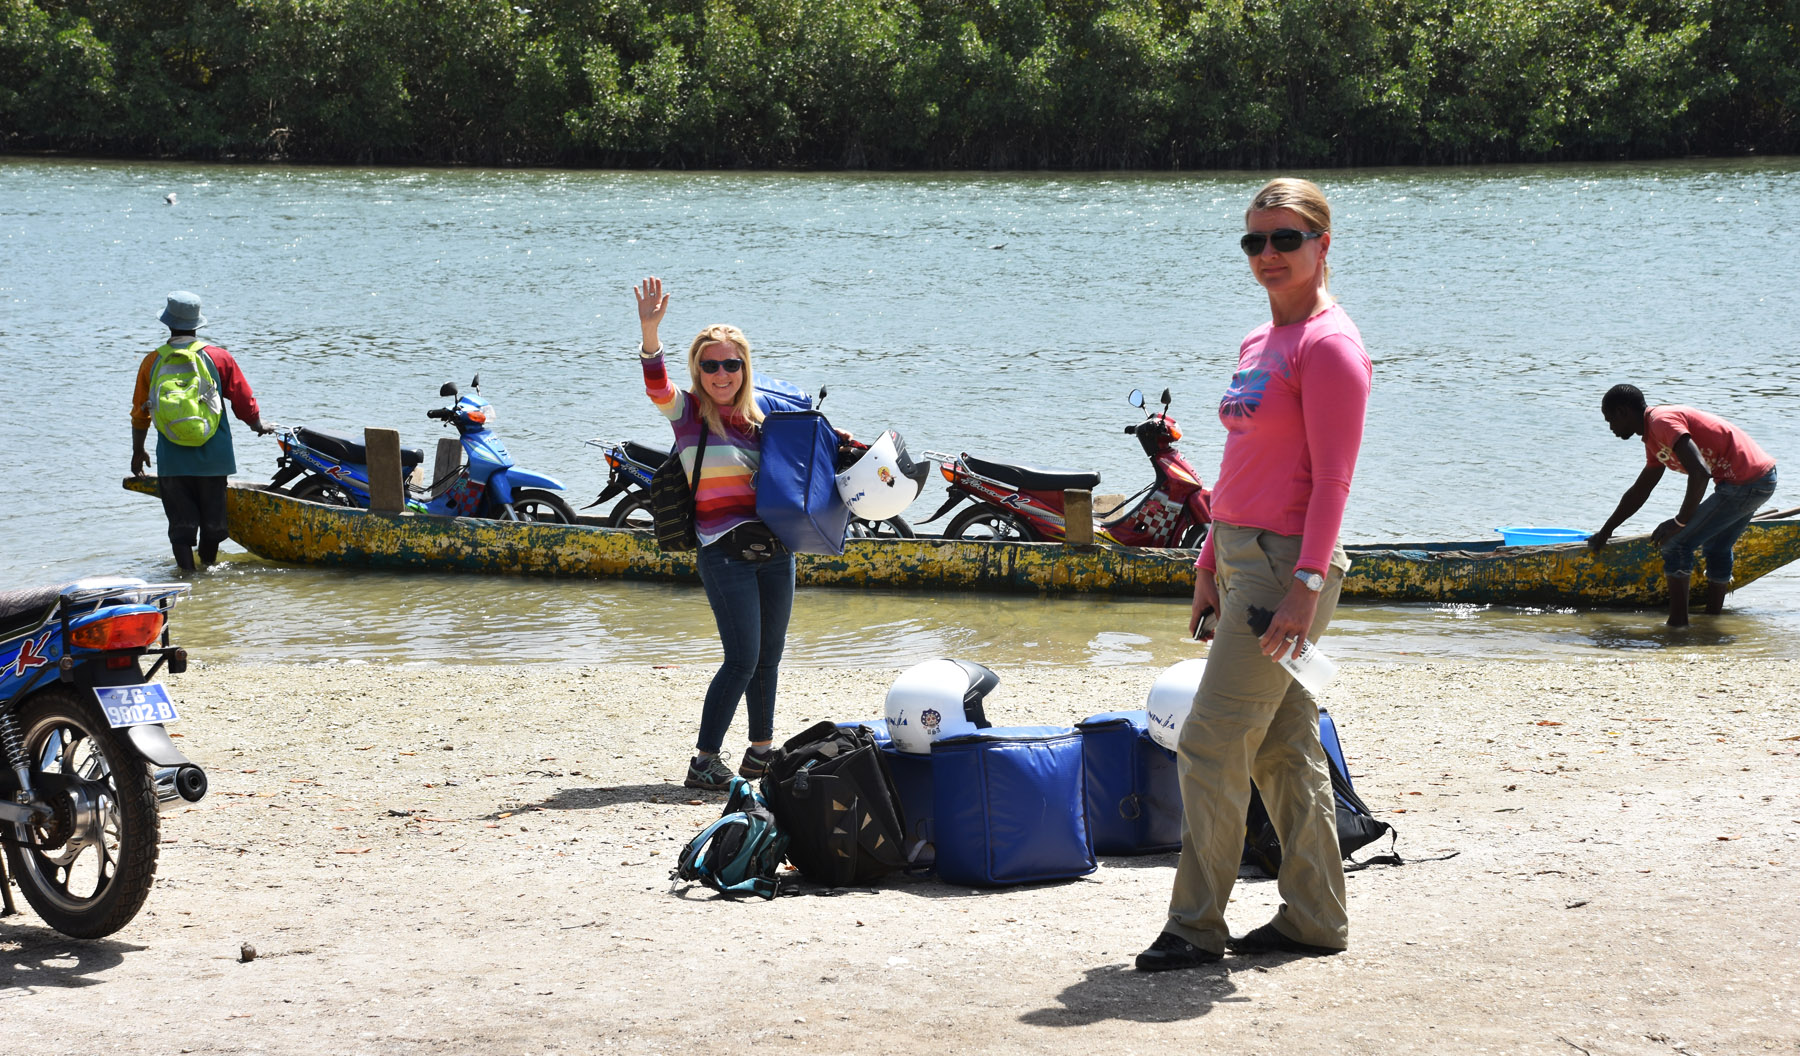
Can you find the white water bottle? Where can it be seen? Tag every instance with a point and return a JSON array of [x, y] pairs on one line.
[[1309, 665]]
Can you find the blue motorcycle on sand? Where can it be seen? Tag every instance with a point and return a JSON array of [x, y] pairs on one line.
[[328, 467], [88, 761]]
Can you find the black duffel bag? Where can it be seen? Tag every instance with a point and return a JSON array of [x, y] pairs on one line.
[[831, 793], [1357, 827]]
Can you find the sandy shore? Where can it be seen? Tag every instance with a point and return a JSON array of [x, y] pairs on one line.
[[447, 860]]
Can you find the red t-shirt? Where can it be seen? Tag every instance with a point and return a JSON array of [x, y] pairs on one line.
[[1730, 455]]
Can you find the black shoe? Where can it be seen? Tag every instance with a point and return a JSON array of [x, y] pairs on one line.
[[1267, 940], [1171, 951], [755, 763], [708, 772]]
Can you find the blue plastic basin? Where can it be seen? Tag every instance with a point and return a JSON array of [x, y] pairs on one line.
[[1520, 535]]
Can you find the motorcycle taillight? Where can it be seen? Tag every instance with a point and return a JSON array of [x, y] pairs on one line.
[[132, 630]]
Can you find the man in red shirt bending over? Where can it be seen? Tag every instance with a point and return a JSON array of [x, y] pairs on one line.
[[1699, 445]]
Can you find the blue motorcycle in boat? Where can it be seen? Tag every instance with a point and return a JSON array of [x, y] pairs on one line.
[[88, 759], [329, 467]]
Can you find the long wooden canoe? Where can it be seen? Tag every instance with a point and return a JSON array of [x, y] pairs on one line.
[[1627, 573]]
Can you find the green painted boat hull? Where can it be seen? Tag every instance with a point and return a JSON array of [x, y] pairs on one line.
[[1627, 573]]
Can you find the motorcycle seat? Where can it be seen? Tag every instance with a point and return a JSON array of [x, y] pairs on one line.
[[22, 610], [1032, 478], [645, 454], [350, 449]]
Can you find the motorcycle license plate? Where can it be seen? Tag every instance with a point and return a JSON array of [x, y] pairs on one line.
[[136, 705]]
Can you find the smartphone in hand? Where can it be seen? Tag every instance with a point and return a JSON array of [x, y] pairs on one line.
[[1203, 631]]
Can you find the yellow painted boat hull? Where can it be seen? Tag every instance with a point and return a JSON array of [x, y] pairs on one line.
[[1628, 573]]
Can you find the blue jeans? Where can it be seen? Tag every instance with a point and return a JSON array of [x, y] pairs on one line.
[[751, 602], [1716, 527]]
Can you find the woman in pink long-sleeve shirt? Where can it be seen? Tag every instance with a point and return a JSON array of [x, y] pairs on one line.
[[1293, 415]]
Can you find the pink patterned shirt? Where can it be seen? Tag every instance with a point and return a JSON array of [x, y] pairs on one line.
[[1294, 422]]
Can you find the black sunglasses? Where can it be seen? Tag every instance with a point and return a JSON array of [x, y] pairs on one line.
[[729, 366], [1286, 240]]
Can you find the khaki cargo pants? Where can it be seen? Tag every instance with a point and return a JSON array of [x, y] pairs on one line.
[[1252, 721]]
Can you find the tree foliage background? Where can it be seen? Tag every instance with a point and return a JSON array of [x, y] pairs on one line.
[[902, 83]]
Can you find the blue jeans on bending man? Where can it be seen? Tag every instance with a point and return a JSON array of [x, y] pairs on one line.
[[1716, 527]]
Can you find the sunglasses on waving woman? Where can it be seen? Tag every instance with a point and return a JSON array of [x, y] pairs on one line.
[[1285, 240], [729, 366]]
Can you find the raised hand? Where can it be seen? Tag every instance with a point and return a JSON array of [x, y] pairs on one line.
[[652, 305]]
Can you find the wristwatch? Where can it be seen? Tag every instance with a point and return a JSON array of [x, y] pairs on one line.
[[1314, 582]]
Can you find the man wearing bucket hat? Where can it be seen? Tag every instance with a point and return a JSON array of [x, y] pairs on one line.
[[181, 390]]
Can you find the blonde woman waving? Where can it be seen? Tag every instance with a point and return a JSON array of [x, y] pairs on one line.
[[748, 574]]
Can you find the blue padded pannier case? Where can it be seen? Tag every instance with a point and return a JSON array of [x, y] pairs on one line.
[[1133, 794], [773, 394], [1008, 808], [796, 486], [912, 778]]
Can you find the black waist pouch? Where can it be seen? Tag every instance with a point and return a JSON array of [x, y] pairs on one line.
[[752, 541]]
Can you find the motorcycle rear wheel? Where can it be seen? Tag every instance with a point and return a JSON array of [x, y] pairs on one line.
[[892, 528], [633, 511], [98, 858], [535, 504], [987, 524], [314, 488]]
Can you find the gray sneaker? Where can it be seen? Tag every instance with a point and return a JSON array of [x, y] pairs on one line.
[[755, 764], [709, 772]]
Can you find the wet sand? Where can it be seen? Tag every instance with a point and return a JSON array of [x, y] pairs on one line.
[[441, 859]]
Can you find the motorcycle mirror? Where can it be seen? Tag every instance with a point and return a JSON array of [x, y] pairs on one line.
[[449, 389], [476, 384], [820, 399], [1136, 398], [1165, 400]]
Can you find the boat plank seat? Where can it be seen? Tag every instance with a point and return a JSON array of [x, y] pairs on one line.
[[645, 454], [1032, 478], [350, 449]]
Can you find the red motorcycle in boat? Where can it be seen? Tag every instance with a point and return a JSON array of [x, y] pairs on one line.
[[1022, 503]]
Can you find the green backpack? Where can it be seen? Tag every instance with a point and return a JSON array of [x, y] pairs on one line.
[[185, 402]]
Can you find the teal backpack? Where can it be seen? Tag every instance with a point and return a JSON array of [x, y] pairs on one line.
[[741, 853]]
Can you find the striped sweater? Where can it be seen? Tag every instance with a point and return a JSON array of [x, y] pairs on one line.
[[726, 493]]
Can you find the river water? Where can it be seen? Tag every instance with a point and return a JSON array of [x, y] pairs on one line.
[[1004, 315]]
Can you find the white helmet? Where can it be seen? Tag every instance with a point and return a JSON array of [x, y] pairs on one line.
[[884, 481], [938, 698], [1171, 697]]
